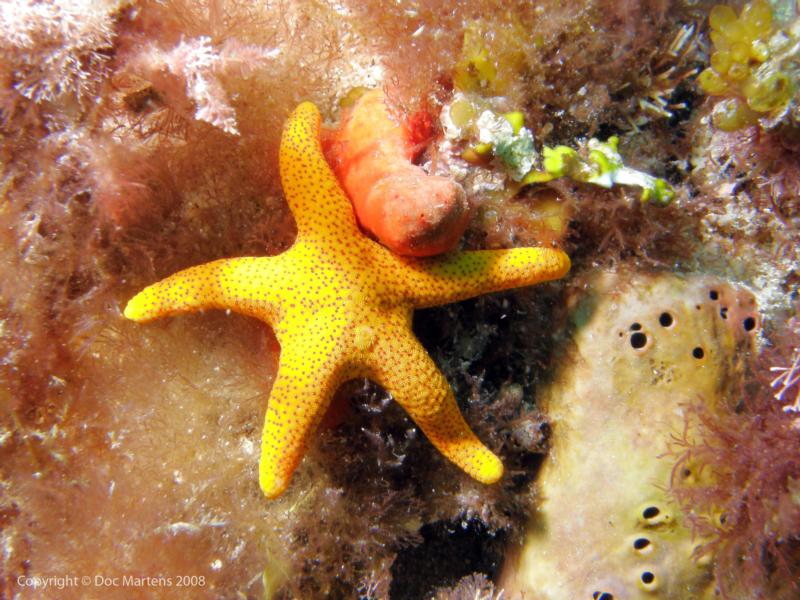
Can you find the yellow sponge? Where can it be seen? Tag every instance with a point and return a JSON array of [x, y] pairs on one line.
[[645, 346]]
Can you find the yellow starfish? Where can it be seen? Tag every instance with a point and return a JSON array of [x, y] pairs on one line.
[[341, 305]]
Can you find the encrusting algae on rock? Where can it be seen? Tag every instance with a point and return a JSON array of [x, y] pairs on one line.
[[645, 348]]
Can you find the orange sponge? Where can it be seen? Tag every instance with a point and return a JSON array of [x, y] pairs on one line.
[[407, 210]]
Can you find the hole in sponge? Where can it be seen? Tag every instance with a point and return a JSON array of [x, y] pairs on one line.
[[636, 326], [713, 294], [651, 512], [723, 312], [638, 340], [641, 543], [665, 319], [652, 515], [602, 596], [648, 577], [698, 352], [749, 324]]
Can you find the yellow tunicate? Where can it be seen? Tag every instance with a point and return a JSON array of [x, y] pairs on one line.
[[759, 51], [738, 71], [483, 149], [743, 67], [476, 69], [732, 114], [478, 154], [721, 61], [462, 112], [720, 41], [740, 52], [720, 16], [491, 58], [711, 83], [735, 31], [757, 17], [352, 96], [517, 120], [768, 90]]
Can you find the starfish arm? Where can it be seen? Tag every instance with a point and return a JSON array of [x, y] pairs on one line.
[[312, 366], [250, 285], [467, 274], [403, 367], [318, 204]]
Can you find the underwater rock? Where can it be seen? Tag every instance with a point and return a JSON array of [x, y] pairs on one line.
[[645, 348]]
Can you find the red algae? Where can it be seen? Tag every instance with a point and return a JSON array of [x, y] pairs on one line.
[[748, 506]]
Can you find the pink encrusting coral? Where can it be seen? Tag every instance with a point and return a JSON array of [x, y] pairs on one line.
[[409, 211]]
